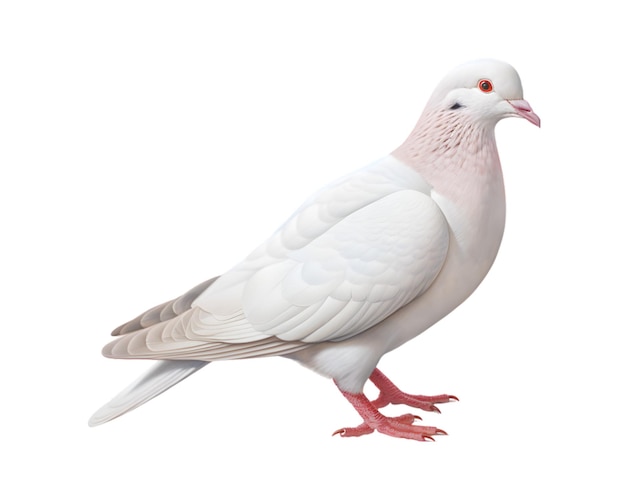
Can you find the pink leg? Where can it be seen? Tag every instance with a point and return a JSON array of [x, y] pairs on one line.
[[391, 394], [401, 426]]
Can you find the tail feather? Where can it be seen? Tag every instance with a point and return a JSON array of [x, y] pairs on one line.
[[162, 376]]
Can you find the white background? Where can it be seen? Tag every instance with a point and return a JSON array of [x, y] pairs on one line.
[[147, 146]]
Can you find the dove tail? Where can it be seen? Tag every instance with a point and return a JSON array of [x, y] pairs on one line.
[[162, 376]]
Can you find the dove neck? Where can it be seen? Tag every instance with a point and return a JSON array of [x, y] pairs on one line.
[[443, 142]]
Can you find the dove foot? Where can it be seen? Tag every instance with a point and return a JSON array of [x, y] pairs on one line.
[[400, 426], [391, 394]]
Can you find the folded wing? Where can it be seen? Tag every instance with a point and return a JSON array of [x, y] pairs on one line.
[[347, 259]]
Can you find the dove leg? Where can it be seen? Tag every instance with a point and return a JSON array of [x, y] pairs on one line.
[[391, 394], [401, 426]]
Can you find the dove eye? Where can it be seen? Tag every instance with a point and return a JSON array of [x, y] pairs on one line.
[[485, 85]]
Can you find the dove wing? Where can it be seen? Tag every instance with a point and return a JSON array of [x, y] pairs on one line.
[[348, 258]]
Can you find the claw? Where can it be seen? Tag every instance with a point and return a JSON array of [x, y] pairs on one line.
[[434, 408], [339, 432], [440, 432], [427, 438]]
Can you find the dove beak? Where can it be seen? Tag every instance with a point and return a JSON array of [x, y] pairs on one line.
[[523, 109]]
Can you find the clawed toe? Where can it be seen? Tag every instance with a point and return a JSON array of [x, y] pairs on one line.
[[394, 428], [419, 433], [357, 431], [391, 394]]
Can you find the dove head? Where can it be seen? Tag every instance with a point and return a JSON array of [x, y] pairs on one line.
[[463, 111], [484, 92], [457, 127]]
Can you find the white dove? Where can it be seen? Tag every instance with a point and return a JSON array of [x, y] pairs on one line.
[[363, 266]]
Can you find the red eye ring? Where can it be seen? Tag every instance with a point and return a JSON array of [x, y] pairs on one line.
[[485, 85]]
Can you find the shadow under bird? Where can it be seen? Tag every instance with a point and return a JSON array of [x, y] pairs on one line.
[[363, 266]]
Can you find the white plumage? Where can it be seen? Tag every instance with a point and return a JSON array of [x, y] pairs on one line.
[[364, 265]]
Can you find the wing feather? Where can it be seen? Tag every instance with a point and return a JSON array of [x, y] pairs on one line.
[[164, 311]]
